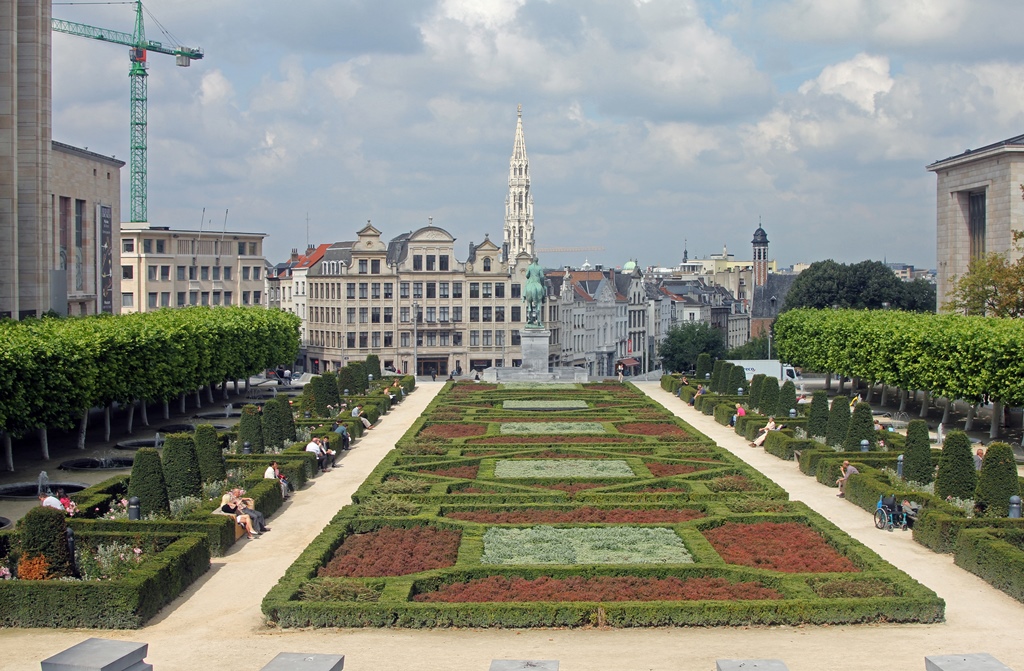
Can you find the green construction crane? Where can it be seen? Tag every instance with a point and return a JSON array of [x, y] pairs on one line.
[[138, 47]]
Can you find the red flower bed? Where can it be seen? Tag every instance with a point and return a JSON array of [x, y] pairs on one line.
[[653, 429], [586, 514], [523, 440], [468, 472], [604, 588], [453, 430], [393, 551], [787, 546], [662, 470]]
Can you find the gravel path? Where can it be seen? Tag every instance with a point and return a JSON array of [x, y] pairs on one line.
[[218, 624]]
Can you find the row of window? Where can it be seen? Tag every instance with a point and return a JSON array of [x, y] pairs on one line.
[[163, 299], [159, 246], [376, 290], [366, 339], [163, 273], [439, 262], [430, 315]]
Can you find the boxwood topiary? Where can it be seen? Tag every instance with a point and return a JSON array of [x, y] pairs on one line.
[[957, 477], [817, 422], [756, 384], [769, 399], [716, 375], [862, 427], [372, 364], [43, 533], [838, 421], [738, 380], [250, 429], [181, 467], [997, 481], [917, 455], [209, 454], [787, 399], [704, 366], [147, 482], [275, 422], [346, 379]]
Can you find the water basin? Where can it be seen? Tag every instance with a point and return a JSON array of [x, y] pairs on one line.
[[92, 464], [29, 490]]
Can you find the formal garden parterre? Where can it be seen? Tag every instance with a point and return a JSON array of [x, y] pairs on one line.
[[654, 525]]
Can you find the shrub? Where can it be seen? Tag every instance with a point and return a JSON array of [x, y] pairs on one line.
[[957, 477], [862, 427], [704, 365], [756, 384], [147, 482], [838, 421], [817, 422], [716, 375], [997, 481], [359, 374], [325, 392], [181, 467], [275, 422], [43, 534], [737, 380], [347, 380], [250, 429], [917, 455], [209, 454], [787, 399], [769, 399], [372, 364]]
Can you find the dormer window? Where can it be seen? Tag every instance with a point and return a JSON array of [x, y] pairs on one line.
[[487, 265]]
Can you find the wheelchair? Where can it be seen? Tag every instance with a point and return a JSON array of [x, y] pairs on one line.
[[890, 514]]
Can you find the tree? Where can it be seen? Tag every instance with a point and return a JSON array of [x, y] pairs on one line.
[[787, 399], [147, 483], [209, 454], [997, 481], [957, 477], [817, 421], [756, 385], [737, 379], [866, 285], [755, 348], [862, 427], [684, 344], [373, 366], [768, 401], [276, 427], [838, 421], [917, 454], [250, 429], [181, 467], [918, 296], [704, 364], [993, 286], [42, 533]]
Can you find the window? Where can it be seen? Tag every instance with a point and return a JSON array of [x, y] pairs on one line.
[[147, 245], [419, 315], [515, 338], [151, 273], [241, 249], [206, 298], [375, 339], [375, 315], [160, 246], [350, 339], [181, 299], [227, 273], [516, 313], [256, 273], [404, 339], [499, 313], [403, 290], [417, 289], [389, 338], [457, 313], [252, 249], [245, 273], [456, 289], [193, 298], [127, 299], [417, 262], [432, 339], [128, 245], [375, 290], [389, 315], [364, 314], [431, 262], [474, 314], [165, 274], [204, 272], [499, 338], [350, 290], [127, 272], [444, 314], [364, 339], [375, 266], [431, 289], [388, 290], [976, 224], [474, 290], [487, 314], [487, 289], [403, 315], [516, 291], [180, 273], [487, 265], [363, 289], [487, 338], [499, 289], [245, 297], [457, 339], [227, 298], [442, 262], [165, 299], [350, 316], [216, 298], [431, 315], [257, 298], [363, 266], [216, 272], [474, 338], [443, 289]]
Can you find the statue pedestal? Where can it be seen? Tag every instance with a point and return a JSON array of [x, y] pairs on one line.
[[534, 343]]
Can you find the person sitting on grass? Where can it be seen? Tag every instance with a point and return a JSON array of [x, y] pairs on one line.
[[229, 506], [846, 471], [763, 433]]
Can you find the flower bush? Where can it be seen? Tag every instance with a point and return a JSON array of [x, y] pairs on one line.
[[653, 429], [788, 547], [453, 430], [598, 545], [393, 551], [562, 468], [111, 561], [468, 472]]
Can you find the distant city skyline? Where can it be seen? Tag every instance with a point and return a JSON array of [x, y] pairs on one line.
[[646, 122]]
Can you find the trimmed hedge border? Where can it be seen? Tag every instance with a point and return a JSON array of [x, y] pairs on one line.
[[995, 556]]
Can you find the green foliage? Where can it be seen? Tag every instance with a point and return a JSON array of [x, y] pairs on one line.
[[956, 477], [787, 399], [324, 390], [838, 421], [372, 364], [684, 344], [347, 380], [209, 453], [756, 385], [917, 454], [704, 364], [737, 379], [147, 482], [996, 556], [716, 376], [276, 427], [997, 481], [864, 285], [862, 427], [817, 422], [250, 429], [755, 348], [42, 533], [360, 375], [768, 401], [181, 466]]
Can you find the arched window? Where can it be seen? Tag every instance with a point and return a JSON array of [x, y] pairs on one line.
[[487, 264]]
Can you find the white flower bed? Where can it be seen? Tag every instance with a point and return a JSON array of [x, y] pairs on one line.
[[596, 545], [549, 428], [539, 385], [572, 404], [562, 468]]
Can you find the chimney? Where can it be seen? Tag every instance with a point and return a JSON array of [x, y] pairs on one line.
[[295, 254]]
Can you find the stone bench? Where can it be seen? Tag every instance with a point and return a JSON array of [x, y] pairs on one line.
[[980, 661], [239, 529], [300, 661], [100, 654]]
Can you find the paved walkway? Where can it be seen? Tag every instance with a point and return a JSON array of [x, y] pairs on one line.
[[218, 623]]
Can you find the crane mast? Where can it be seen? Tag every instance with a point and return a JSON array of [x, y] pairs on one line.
[[138, 49]]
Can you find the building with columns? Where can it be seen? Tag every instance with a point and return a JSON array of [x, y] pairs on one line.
[[519, 203]]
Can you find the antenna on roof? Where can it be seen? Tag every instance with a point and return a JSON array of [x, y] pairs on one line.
[[307, 229]]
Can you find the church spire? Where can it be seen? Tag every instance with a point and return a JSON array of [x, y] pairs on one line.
[[519, 202]]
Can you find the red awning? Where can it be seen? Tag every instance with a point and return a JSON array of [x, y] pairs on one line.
[[629, 362]]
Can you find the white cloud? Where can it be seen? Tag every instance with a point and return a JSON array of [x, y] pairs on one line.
[[857, 80]]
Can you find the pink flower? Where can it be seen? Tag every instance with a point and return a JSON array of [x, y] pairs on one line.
[[138, 551]]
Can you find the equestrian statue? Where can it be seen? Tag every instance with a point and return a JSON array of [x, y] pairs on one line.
[[534, 295]]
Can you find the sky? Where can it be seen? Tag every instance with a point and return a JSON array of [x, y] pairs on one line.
[[651, 125]]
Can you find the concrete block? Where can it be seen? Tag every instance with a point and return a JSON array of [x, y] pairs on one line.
[[299, 661], [100, 654], [978, 661], [750, 665], [524, 665]]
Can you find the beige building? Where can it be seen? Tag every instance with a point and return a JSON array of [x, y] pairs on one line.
[[978, 207], [163, 267]]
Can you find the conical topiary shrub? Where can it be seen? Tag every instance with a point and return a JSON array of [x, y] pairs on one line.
[[917, 454], [957, 477], [769, 399], [372, 364], [787, 399], [361, 376], [209, 453], [250, 430], [704, 366], [43, 533], [838, 421], [997, 481], [862, 427], [181, 467], [346, 379], [325, 392], [716, 375], [275, 422], [756, 385], [147, 483], [737, 380], [817, 421]]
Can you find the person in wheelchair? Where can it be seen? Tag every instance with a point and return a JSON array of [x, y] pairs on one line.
[[890, 514]]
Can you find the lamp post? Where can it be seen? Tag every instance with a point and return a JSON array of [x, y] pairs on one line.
[[415, 338]]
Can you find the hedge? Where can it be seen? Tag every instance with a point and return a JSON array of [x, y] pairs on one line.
[[994, 555]]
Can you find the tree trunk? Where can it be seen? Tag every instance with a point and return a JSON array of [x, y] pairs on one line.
[[145, 412], [44, 443], [224, 388], [131, 416], [945, 411], [167, 409], [903, 400], [199, 400], [924, 404], [82, 427], [235, 381], [106, 420], [997, 417], [842, 381], [828, 381], [885, 395], [209, 393], [971, 411], [181, 403], [8, 451]]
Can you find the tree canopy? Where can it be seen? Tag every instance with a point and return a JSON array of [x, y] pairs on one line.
[[864, 285], [683, 344]]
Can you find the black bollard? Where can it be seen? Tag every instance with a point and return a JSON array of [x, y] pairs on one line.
[[247, 447], [899, 466], [134, 509], [865, 445], [1015, 507], [69, 533]]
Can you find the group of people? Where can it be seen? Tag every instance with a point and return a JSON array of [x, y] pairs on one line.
[[325, 456], [243, 508], [273, 472], [58, 500]]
